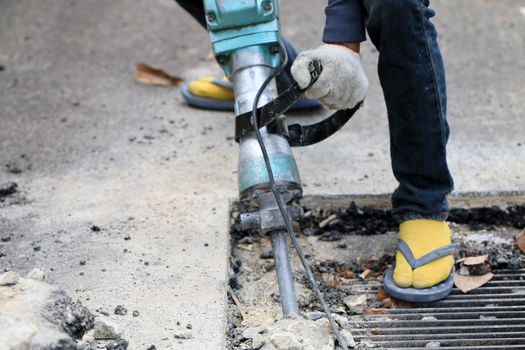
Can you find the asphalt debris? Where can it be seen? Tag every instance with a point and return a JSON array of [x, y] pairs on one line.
[[8, 188], [120, 310], [489, 217], [13, 169], [120, 344], [74, 318]]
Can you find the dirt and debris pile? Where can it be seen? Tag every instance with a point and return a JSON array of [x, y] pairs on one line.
[[37, 315], [489, 217], [354, 219], [368, 221]]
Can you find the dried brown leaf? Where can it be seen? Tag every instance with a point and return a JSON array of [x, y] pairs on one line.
[[345, 273], [468, 283], [330, 281], [153, 76], [381, 294], [474, 260], [388, 302], [376, 311], [520, 241]]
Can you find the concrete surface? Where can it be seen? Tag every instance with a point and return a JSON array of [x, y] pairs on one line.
[[95, 148]]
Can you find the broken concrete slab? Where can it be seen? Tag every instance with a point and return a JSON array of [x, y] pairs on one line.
[[35, 314]]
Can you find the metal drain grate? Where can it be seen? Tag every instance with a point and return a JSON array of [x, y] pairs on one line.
[[491, 317]]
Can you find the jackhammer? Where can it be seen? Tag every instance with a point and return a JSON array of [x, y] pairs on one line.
[[246, 42]]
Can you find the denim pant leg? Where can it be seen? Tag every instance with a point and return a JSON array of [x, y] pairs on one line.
[[412, 76], [196, 9]]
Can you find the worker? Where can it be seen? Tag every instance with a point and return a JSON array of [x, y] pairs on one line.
[[412, 77]]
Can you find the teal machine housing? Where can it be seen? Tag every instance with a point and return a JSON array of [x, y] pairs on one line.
[[246, 42], [245, 39]]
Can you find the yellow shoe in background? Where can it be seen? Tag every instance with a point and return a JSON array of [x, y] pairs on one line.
[[212, 88]]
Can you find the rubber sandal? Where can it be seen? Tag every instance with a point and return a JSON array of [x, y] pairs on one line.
[[228, 105], [420, 295]]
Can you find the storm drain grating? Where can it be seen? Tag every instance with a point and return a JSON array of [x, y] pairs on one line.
[[491, 317]]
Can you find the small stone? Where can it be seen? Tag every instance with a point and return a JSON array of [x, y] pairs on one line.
[[120, 310], [103, 312], [105, 329], [483, 317], [428, 318], [89, 336], [9, 278], [309, 231], [433, 345], [266, 253], [189, 326], [342, 321], [331, 236], [355, 304], [82, 262], [7, 188], [314, 315], [348, 338], [95, 228], [135, 313], [13, 169], [121, 344], [250, 332], [258, 341], [127, 237], [152, 347], [183, 335], [502, 261], [36, 274], [284, 341]]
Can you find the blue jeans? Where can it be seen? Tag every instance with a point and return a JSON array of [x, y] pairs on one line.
[[412, 76]]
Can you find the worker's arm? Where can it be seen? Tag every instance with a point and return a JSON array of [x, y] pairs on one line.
[[345, 22], [342, 83]]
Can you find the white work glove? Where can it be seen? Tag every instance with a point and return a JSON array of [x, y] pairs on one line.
[[342, 83]]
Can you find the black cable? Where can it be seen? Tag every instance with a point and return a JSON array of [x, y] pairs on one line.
[[284, 212]]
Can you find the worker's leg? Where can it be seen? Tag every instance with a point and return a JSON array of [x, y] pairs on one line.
[[412, 76]]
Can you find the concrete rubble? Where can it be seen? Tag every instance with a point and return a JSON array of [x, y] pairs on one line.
[[105, 329], [292, 334], [37, 315]]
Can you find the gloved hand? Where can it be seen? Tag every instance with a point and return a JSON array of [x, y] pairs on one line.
[[342, 83]]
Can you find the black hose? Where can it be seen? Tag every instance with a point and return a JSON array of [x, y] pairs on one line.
[[284, 212]]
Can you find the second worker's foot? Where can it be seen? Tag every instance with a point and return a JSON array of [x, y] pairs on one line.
[[422, 237], [216, 93]]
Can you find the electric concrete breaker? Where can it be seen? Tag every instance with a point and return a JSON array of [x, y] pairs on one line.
[[246, 42]]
